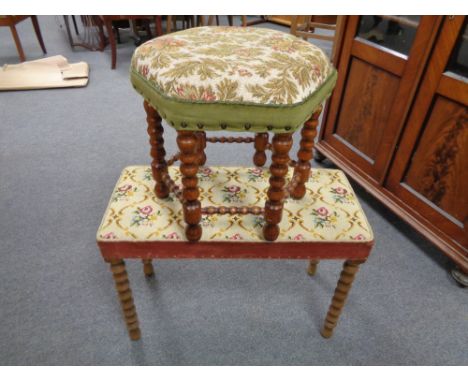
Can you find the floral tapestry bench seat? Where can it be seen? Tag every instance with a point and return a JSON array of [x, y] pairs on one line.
[[327, 223]]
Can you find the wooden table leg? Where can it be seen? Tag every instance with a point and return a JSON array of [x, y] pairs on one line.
[[38, 32], [275, 195], [148, 267], [122, 285], [312, 269], [260, 144], [158, 153], [308, 133], [343, 287], [187, 142], [19, 47]]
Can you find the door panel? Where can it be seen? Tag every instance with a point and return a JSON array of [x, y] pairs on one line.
[[366, 105]]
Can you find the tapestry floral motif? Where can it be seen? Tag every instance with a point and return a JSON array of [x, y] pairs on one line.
[[124, 192], [324, 218], [144, 216], [255, 174], [211, 64], [341, 195], [233, 194]]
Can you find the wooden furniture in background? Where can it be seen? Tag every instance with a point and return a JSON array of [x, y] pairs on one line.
[[397, 121], [92, 32], [107, 20], [305, 27], [11, 21]]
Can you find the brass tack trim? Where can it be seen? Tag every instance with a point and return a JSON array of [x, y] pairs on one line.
[[269, 127], [223, 126], [183, 125], [200, 125], [247, 126]]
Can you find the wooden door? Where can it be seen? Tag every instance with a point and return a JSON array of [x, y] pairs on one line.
[[430, 170], [380, 66]]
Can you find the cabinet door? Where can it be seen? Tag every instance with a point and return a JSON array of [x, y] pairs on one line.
[[380, 65], [430, 170]]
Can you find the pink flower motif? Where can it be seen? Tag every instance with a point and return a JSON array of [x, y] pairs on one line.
[[233, 189], [340, 190], [208, 96], [144, 70], [180, 91], [125, 187], [257, 171], [206, 171], [109, 235], [172, 236], [237, 236], [298, 237], [322, 211], [244, 73], [359, 237], [146, 210]]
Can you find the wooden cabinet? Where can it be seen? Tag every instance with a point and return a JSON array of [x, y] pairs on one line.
[[397, 121]]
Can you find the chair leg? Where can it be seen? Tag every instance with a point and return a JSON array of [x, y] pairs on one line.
[[148, 267], [343, 287], [38, 32], [260, 144], [158, 25], [275, 196], [19, 47], [308, 133], [187, 142], [201, 145], [122, 285], [312, 269], [158, 153], [111, 37]]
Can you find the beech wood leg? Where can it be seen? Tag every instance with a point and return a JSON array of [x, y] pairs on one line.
[[201, 145], [122, 285], [304, 155], [111, 37], [188, 142], [260, 144], [148, 267], [17, 40], [38, 32], [312, 269], [343, 287], [276, 192], [158, 153]]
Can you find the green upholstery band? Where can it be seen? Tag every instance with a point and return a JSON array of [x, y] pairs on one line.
[[192, 115]]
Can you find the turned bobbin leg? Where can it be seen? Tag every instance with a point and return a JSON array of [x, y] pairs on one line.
[[343, 287], [187, 142], [201, 145], [312, 269], [276, 192], [148, 267], [260, 144], [159, 164], [304, 155], [126, 299]]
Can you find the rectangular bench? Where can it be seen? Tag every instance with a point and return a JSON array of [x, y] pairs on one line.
[[328, 223]]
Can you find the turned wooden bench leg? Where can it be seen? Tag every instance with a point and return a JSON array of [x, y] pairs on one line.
[[305, 153], [158, 153], [260, 144], [148, 268], [189, 158], [122, 285], [343, 287], [312, 269], [201, 145], [276, 192]]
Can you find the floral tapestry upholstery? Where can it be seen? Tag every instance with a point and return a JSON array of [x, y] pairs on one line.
[[232, 78], [329, 212]]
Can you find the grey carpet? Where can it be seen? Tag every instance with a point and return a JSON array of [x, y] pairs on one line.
[[61, 153]]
